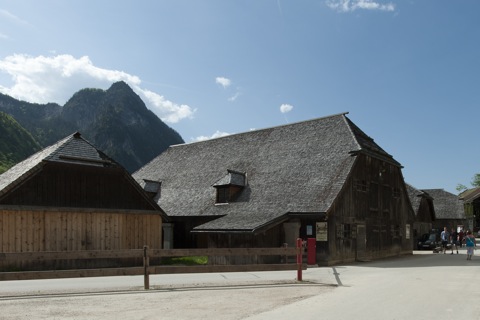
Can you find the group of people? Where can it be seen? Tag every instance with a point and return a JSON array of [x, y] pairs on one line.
[[456, 239]]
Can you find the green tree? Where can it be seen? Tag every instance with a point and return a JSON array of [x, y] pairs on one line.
[[476, 180], [475, 183]]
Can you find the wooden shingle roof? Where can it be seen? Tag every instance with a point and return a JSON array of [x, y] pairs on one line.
[[295, 168], [447, 205], [470, 195], [72, 149], [415, 195]]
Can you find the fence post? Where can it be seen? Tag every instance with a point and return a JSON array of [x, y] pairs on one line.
[[146, 265], [299, 259]]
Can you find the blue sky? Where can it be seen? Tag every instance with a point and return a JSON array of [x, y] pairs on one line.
[[407, 71]]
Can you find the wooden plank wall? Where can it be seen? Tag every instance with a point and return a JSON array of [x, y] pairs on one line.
[[42, 230]]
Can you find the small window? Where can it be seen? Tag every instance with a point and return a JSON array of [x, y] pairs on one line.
[[396, 193], [223, 194], [395, 230], [361, 185], [373, 197], [230, 186], [347, 231], [152, 188]]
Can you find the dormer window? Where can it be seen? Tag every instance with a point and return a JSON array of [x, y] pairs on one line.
[[229, 187], [223, 194], [152, 188]]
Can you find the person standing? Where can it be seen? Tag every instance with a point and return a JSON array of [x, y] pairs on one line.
[[461, 234], [445, 236], [454, 239], [470, 243]]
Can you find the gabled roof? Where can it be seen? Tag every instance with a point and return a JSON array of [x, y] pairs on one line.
[[416, 197], [447, 205], [470, 195], [298, 167], [72, 149]]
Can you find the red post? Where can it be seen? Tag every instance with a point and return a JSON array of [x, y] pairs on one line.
[[299, 259]]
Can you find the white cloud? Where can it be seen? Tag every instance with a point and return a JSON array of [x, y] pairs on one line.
[[234, 97], [10, 16], [284, 108], [352, 5], [55, 79], [217, 134], [224, 82]]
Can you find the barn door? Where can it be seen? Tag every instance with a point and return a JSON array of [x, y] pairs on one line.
[[361, 243]]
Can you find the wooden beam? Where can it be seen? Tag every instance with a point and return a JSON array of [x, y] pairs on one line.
[[224, 268], [71, 255], [57, 274], [224, 252], [138, 253]]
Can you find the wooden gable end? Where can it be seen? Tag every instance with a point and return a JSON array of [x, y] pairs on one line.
[[374, 198], [425, 211], [67, 185], [375, 190]]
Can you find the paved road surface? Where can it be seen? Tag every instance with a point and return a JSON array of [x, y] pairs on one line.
[[421, 286]]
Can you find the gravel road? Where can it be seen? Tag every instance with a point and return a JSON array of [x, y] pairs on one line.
[[235, 301]]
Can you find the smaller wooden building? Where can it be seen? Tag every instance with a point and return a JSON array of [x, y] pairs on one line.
[[422, 204], [71, 196], [471, 201]]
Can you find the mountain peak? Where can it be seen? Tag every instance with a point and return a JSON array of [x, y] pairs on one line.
[[115, 120], [120, 85]]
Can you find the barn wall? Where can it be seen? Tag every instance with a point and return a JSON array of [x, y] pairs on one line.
[[268, 239], [37, 229], [424, 222], [79, 186], [374, 196]]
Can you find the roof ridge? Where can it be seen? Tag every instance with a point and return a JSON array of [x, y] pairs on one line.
[[266, 128], [367, 144]]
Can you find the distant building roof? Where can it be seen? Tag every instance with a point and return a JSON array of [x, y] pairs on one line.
[[470, 195], [416, 196], [447, 205]]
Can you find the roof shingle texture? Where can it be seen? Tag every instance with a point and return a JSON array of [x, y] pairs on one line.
[[72, 149], [299, 167], [447, 205], [415, 197]]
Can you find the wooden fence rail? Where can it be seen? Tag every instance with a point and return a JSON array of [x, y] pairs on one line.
[[148, 254]]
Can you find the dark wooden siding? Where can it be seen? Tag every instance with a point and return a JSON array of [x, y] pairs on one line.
[[374, 195], [268, 239], [424, 219], [62, 185]]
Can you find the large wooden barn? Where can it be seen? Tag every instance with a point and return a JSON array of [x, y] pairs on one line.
[[71, 196], [322, 179]]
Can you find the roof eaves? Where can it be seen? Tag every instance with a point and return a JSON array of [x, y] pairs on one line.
[[20, 179]]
